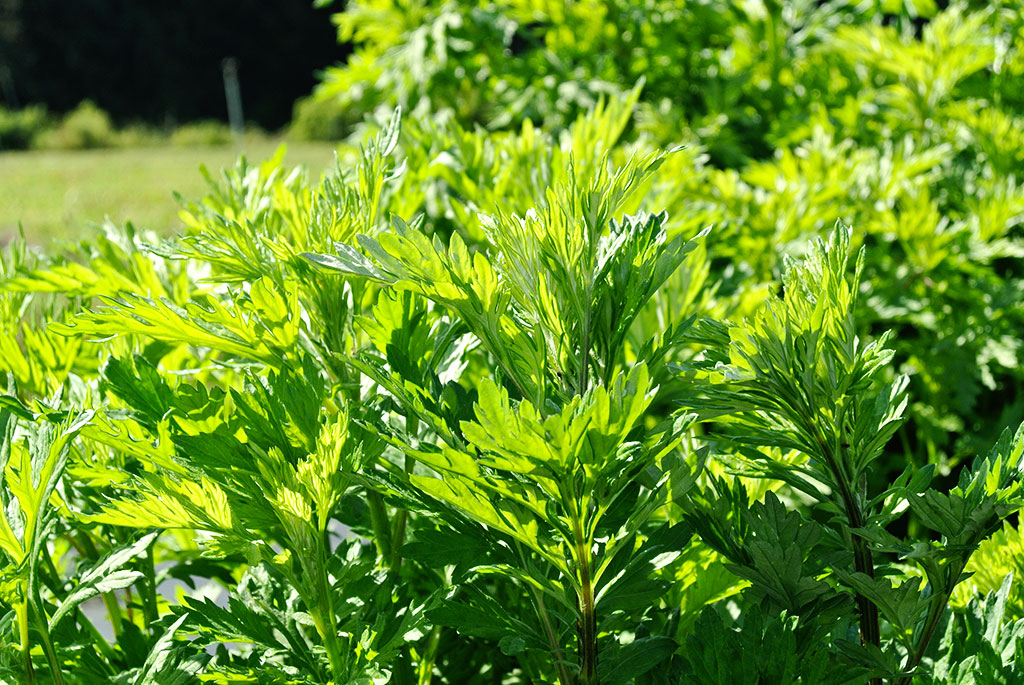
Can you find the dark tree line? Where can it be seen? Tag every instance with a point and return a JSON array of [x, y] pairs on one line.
[[161, 61]]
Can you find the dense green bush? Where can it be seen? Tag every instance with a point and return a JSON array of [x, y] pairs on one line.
[[527, 392], [201, 133], [19, 128], [802, 114], [87, 126], [316, 118]]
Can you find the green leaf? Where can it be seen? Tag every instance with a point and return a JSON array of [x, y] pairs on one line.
[[138, 383], [439, 548], [106, 576], [162, 657], [903, 605], [626, 663], [349, 261], [510, 645], [481, 616]]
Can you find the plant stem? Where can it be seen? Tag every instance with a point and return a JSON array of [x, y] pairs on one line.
[[36, 611], [862, 563], [87, 549], [149, 610], [870, 633], [50, 577], [585, 361], [584, 379], [325, 625], [587, 622], [397, 540], [425, 669], [114, 612], [931, 623], [128, 601], [21, 609], [322, 610], [587, 634], [43, 629], [564, 677], [109, 657], [398, 533], [379, 521]]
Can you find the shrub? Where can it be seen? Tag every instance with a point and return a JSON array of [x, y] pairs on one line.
[[316, 118], [87, 126], [202, 133], [493, 403], [19, 128], [139, 135], [546, 423]]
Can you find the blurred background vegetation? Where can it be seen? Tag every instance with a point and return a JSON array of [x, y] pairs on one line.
[[139, 88], [160, 63]]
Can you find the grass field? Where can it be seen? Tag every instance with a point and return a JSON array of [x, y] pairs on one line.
[[58, 194]]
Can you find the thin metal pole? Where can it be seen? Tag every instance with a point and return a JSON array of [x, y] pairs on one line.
[[233, 95]]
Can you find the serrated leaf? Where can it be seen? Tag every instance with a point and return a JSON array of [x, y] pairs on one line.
[[625, 663], [105, 576]]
